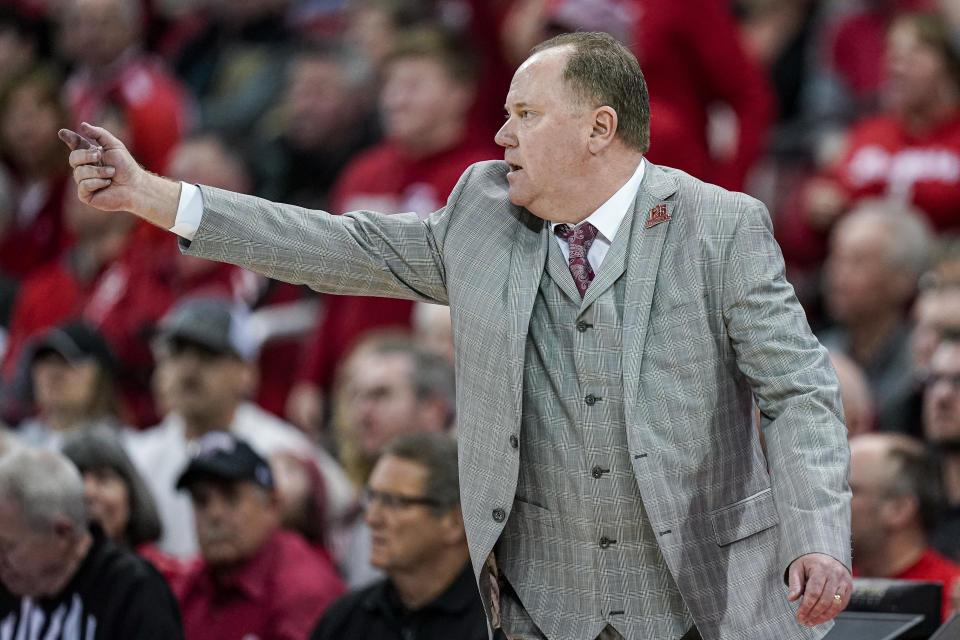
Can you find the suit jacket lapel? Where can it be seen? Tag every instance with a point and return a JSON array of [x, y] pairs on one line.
[[526, 269], [559, 270], [643, 261]]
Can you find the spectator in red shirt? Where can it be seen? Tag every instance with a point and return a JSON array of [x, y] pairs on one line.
[[893, 509], [30, 113], [426, 97], [909, 153], [103, 38], [254, 580]]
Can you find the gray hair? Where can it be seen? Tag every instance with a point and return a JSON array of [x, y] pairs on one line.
[[45, 485], [911, 236], [437, 453], [100, 448], [602, 71]]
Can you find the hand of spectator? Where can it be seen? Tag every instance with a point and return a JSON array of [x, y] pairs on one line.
[[109, 178], [819, 578]]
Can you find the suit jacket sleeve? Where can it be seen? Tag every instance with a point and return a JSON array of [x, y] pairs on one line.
[[357, 253], [796, 390]]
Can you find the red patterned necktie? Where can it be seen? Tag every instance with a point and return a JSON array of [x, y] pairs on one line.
[[579, 239]]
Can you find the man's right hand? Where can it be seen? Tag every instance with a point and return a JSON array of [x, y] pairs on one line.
[[108, 177]]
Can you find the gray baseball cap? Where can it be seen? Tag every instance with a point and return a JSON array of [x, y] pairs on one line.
[[212, 323]]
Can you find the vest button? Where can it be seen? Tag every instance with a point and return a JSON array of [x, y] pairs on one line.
[[597, 472], [605, 542], [514, 442], [499, 515], [582, 326], [590, 399]]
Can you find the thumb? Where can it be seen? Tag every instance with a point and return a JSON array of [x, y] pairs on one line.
[[796, 581]]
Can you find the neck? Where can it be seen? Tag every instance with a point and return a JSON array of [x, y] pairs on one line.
[[421, 584], [62, 420], [71, 565], [929, 114], [870, 335], [606, 177], [895, 554], [218, 419], [96, 250]]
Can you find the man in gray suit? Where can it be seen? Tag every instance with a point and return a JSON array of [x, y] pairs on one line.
[[609, 373]]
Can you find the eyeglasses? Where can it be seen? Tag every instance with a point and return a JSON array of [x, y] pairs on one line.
[[952, 379], [394, 501]]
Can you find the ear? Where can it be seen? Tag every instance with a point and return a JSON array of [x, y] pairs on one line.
[[900, 512], [451, 527], [433, 413], [603, 129]]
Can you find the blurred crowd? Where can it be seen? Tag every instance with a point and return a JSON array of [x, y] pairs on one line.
[[228, 428]]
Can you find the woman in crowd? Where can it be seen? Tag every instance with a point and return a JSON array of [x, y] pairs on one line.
[[117, 497]]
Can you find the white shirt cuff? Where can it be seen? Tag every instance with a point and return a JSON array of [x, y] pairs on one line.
[[189, 211]]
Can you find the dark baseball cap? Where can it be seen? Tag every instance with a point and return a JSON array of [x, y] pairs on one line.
[[211, 323], [76, 342], [221, 456]]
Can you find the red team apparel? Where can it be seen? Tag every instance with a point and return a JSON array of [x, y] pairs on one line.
[[388, 180], [885, 160], [278, 595]]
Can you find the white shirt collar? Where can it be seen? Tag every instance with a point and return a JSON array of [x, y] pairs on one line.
[[608, 217]]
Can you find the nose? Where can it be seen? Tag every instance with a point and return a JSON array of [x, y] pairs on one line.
[[373, 514], [505, 137]]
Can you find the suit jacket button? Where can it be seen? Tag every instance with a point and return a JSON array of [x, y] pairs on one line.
[[590, 399], [514, 442], [605, 542], [499, 515], [597, 472], [583, 326]]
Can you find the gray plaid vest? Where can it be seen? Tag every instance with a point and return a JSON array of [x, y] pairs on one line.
[[578, 547]]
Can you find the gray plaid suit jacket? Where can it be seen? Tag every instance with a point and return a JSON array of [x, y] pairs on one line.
[[710, 327]]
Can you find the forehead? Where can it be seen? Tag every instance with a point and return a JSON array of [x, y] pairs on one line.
[[867, 458], [398, 475], [375, 369], [540, 75]]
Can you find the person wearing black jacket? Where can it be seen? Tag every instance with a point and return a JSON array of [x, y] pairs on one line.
[[61, 578], [412, 505]]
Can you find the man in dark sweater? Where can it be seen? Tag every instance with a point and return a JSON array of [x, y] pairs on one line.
[[60, 577], [412, 506]]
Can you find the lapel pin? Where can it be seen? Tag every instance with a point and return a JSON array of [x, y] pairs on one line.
[[657, 215]]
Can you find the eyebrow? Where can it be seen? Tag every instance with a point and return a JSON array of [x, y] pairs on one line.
[[516, 105]]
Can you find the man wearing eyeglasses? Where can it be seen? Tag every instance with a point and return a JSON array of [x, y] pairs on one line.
[[412, 506], [941, 429]]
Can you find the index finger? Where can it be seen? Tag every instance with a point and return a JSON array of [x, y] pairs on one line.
[[77, 142], [74, 140]]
